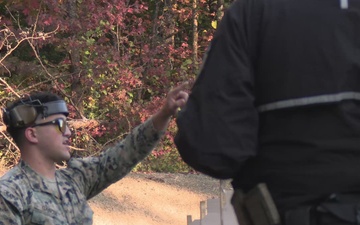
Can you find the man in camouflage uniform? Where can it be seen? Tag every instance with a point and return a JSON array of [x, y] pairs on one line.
[[34, 192]]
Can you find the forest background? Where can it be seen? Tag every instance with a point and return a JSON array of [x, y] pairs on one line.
[[113, 61]]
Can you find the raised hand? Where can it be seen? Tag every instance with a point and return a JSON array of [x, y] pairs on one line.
[[176, 98]]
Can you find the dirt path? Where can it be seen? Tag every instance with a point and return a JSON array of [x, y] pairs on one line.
[[153, 199]]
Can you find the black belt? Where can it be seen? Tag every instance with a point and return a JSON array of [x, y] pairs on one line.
[[338, 209]]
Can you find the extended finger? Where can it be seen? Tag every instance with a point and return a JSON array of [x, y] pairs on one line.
[[181, 87], [182, 95], [180, 103]]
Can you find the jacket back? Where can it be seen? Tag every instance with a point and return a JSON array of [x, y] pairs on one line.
[[277, 100]]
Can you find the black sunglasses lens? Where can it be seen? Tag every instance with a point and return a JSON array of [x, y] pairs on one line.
[[62, 125]]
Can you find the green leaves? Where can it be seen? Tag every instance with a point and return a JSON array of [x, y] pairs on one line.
[[113, 60]]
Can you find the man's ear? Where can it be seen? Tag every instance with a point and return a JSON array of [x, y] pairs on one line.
[[31, 134]]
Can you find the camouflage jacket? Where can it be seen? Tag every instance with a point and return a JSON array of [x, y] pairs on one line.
[[26, 197]]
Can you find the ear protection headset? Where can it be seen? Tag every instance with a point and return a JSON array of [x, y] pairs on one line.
[[25, 114]]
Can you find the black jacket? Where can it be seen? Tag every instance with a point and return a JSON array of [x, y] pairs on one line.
[[277, 100]]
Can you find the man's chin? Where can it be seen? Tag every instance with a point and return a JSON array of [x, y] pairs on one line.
[[63, 159]]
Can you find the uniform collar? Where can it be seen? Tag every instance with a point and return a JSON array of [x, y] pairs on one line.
[[39, 183]]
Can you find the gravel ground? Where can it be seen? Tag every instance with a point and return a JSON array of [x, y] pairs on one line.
[[199, 183], [154, 199]]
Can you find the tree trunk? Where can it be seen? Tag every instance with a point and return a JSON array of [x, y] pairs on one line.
[[195, 35], [169, 18], [75, 58], [155, 26], [170, 28]]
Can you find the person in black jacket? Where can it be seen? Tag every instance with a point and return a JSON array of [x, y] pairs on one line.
[[277, 102]]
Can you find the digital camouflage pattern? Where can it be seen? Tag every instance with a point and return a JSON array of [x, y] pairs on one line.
[[27, 198]]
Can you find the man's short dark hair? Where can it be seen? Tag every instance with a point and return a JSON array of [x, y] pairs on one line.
[[44, 97]]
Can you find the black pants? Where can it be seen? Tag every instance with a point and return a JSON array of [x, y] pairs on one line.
[[323, 214], [326, 219], [335, 210]]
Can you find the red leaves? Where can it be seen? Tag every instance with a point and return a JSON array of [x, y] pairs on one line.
[[30, 6], [123, 55], [48, 21], [26, 11]]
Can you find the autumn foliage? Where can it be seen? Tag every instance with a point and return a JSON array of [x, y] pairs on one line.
[[112, 60]]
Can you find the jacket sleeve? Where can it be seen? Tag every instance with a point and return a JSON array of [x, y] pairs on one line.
[[9, 215], [94, 174], [217, 129]]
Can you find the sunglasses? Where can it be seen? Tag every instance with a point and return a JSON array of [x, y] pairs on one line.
[[60, 122]]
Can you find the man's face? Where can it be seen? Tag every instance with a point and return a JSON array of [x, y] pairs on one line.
[[53, 138]]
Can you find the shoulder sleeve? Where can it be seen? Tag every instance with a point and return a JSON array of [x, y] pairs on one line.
[[94, 174], [10, 206], [217, 129]]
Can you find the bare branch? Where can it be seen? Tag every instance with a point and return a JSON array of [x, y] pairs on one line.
[[52, 77], [45, 81], [9, 139], [2, 128], [76, 149], [9, 87], [29, 39]]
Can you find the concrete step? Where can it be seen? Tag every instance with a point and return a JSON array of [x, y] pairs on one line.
[[211, 214]]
